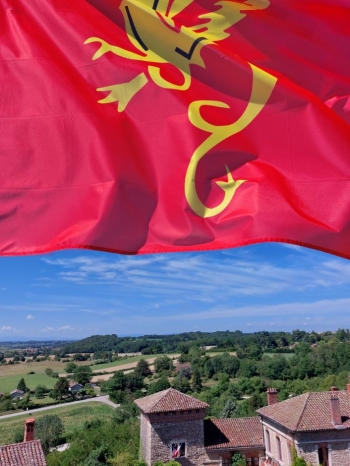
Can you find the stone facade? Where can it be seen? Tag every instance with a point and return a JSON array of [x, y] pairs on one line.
[[160, 431], [325, 448], [173, 426], [329, 448], [278, 443]]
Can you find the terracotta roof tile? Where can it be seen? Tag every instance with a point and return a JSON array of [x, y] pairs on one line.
[[22, 454], [169, 400], [308, 412], [233, 433]]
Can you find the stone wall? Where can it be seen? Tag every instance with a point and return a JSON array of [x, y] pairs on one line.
[[309, 453], [145, 438], [336, 441], [191, 432], [340, 454]]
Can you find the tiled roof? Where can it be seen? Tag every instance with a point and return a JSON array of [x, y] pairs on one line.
[[72, 384], [22, 454], [308, 412], [233, 433], [168, 400]]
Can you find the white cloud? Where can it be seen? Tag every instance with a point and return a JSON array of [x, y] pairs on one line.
[[30, 317], [5, 328], [66, 327], [297, 309]]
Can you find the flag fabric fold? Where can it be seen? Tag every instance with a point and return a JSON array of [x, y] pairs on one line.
[[146, 126]]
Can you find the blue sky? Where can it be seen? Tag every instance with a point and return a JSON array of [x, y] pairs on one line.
[[76, 293]]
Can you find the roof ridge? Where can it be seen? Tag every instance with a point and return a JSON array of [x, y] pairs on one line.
[[302, 412], [20, 443], [158, 400], [168, 390]]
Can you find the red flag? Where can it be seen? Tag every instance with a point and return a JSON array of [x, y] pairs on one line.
[[142, 126]]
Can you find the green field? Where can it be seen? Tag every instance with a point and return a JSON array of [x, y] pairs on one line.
[[73, 417], [9, 383], [285, 355], [98, 367]]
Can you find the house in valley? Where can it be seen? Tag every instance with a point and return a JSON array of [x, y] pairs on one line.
[[75, 386], [16, 394]]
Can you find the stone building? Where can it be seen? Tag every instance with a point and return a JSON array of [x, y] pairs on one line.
[[317, 424], [173, 426], [27, 453]]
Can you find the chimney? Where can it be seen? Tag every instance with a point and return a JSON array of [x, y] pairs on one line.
[[29, 430], [272, 397], [348, 387], [335, 410], [333, 389]]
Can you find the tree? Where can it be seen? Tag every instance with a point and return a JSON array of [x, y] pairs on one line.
[[158, 386], [40, 391], [142, 368], [80, 357], [238, 460], [70, 367], [116, 386], [182, 384], [163, 363], [82, 374], [125, 412], [61, 389], [134, 381], [230, 410], [117, 382], [196, 381], [49, 430], [97, 457], [22, 385], [49, 372], [297, 460]]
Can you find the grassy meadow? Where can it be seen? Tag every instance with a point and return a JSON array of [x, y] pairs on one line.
[[10, 375], [285, 355], [10, 382], [128, 360], [73, 417]]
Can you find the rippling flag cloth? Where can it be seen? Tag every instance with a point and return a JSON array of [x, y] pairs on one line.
[[144, 126]]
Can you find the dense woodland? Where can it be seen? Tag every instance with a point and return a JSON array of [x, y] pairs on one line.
[[224, 340]]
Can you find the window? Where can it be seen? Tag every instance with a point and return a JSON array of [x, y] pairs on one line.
[[254, 461], [323, 456], [268, 441], [279, 449], [178, 449]]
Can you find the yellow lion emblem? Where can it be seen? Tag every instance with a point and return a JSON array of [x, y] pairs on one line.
[[157, 39]]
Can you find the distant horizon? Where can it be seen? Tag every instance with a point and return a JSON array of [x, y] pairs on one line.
[[40, 340], [73, 294]]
